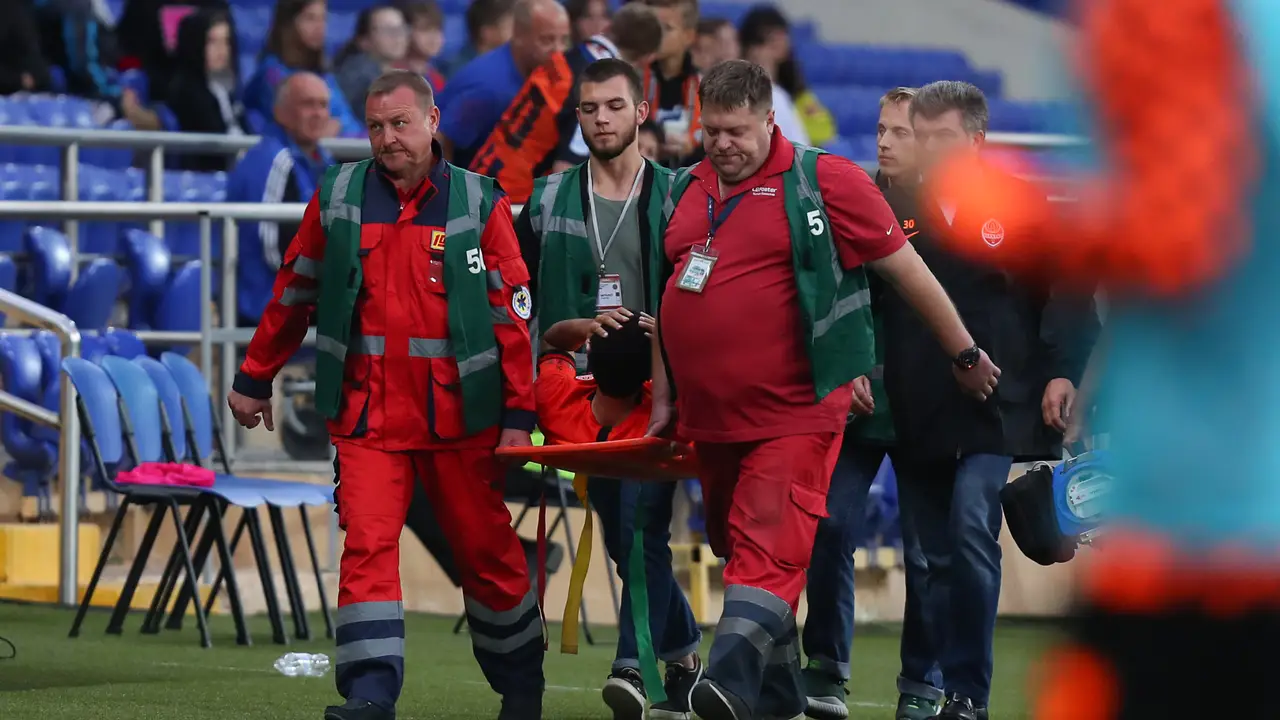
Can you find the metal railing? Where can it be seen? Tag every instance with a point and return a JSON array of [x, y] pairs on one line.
[[66, 422], [71, 141]]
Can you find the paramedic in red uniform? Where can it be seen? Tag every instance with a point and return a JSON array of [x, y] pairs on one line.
[[765, 325], [411, 269]]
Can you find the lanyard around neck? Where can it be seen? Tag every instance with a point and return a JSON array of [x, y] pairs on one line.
[[603, 248]]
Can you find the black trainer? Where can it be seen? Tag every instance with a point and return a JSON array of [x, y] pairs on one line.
[[516, 707], [959, 707], [678, 686], [356, 709], [624, 693], [712, 702]]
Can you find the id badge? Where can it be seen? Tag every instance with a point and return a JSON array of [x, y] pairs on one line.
[[697, 270], [609, 293]]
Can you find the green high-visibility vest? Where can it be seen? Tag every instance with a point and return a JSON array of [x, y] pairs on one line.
[[568, 272], [835, 303], [471, 335]]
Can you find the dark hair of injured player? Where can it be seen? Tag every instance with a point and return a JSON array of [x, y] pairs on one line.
[[621, 363]]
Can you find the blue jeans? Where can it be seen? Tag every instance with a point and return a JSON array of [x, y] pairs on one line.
[[675, 631], [828, 632], [954, 507]]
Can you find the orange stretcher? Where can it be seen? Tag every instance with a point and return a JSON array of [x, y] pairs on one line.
[[648, 458]]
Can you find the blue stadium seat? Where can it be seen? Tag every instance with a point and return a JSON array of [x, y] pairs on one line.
[[179, 306], [93, 348], [186, 186], [110, 158], [49, 277], [8, 277], [100, 392], [32, 457], [148, 263], [125, 344], [91, 300], [100, 237]]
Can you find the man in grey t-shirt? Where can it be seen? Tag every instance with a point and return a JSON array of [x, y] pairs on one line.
[[613, 204]]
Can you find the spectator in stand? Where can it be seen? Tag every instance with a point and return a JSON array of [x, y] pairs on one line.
[[23, 66], [671, 82], [650, 140], [766, 41], [490, 24], [478, 95], [203, 92], [818, 121], [77, 36], [147, 34], [587, 19], [294, 44], [717, 41], [426, 40], [284, 167], [380, 42]]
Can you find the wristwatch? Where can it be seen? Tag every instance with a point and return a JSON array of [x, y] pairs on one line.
[[968, 358]]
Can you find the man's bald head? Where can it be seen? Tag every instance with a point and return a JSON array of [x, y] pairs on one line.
[[302, 108], [541, 30]]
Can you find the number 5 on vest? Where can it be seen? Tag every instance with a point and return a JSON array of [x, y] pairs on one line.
[[816, 224], [475, 261]]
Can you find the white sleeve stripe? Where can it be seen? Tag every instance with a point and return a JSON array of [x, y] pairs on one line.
[[277, 181]]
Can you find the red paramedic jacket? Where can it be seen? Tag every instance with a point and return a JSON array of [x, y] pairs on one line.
[[401, 388]]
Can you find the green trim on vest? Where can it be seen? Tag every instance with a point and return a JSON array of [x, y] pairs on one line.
[[568, 271], [471, 334], [835, 304]]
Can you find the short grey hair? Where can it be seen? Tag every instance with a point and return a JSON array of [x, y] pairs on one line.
[[943, 96]]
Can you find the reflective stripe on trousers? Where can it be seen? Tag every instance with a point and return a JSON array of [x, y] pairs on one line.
[[507, 643], [755, 639], [369, 660]]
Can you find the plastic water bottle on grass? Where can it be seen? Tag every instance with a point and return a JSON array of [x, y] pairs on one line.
[[303, 665]]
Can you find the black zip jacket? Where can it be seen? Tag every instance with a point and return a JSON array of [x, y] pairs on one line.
[[1033, 335]]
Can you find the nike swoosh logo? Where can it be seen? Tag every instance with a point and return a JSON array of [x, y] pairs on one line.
[[889, 231], [913, 234]]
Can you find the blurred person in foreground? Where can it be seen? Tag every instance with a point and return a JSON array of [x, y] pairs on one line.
[[478, 94], [284, 167], [1177, 615], [411, 270], [592, 236], [953, 456], [540, 132], [829, 629], [766, 255]]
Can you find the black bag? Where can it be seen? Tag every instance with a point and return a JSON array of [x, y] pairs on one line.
[[1029, 512]]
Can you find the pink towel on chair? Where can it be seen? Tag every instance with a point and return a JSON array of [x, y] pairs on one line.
[[167, 474]]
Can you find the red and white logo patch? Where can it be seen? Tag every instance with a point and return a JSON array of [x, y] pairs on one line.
[[992, 232]]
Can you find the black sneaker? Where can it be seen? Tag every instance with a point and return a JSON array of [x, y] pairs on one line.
[[959, 707], [712, 702], [678, 686], [356, 709], [824, 695], [522, 707], [624, 694]]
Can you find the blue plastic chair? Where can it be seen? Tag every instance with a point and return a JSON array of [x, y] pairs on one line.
[[92, 299], [125, 344], [179, 447], [178, 307], [204, 438], [8, 275], [33, 459], [118, 437], [49, 277]]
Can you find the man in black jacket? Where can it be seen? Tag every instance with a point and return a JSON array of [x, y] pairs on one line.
[[954, 454]]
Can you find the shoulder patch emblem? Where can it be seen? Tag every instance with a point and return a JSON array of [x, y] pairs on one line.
[[992, 232], [522, 303], [437, 240]]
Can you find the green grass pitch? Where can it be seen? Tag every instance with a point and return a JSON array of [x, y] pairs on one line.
[[140, 677]]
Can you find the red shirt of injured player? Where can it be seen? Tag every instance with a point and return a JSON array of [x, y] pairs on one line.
[[741, 385], [401, 417]]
